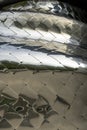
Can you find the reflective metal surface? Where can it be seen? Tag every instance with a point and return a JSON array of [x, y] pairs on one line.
[[43, 100], [46, 6], [43, 68], [18, 56], [42, 40]]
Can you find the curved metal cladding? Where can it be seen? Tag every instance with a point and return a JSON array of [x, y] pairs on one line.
[[43, 67], [42, 40]]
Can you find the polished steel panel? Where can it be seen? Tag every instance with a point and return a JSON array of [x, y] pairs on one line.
[[43, 100], [43, 67], [30, 39]]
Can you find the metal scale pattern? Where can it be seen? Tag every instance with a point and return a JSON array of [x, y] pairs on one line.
[[43, 68]]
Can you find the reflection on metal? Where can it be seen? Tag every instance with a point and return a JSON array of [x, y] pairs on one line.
[[49, 6], [46, 51], [37, 40], [24, 106], [18, 56], [34, 101]]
